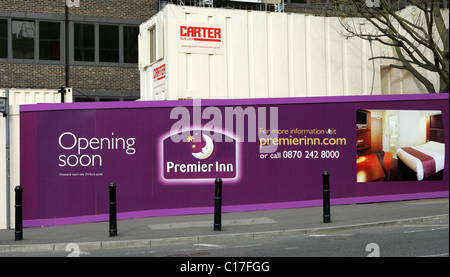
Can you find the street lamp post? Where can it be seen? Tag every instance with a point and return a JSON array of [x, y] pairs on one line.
[[69, 4]]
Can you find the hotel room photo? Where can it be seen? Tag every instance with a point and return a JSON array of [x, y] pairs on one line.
[[399, 145]]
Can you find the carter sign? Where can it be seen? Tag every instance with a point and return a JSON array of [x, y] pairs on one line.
[[159, 72], [202, 38], [159, 77], [200, 33]]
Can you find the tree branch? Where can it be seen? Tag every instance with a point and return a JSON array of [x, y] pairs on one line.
[[428, 85], [406, 37]]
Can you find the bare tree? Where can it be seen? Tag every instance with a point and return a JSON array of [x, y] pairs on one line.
[[419, 40]]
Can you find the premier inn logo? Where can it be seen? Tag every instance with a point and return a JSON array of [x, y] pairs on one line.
[[198, 156], [203, 147], [196, 149]]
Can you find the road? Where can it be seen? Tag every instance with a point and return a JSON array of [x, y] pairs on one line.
[[424, 240], [430, 239]]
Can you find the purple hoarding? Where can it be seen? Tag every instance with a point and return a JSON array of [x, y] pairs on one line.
[[270, 153]]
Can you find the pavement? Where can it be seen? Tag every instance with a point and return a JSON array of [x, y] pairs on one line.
[[194, 229]]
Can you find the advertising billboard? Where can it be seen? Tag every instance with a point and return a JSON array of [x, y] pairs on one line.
[[270, 153]]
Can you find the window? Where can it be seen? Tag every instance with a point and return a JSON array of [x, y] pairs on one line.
[[152, 43], [109, 43], [84, 42], [49, 41], [42, 40], [105, 43], [3, 39], [130, 44], [23, 35], [30, 40]]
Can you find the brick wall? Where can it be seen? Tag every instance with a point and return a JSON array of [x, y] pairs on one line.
[[16, 75], [41, 6], [104, 78], [22, 75], [136, 9]]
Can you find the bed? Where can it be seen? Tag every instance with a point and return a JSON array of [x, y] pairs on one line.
[[425, 160]]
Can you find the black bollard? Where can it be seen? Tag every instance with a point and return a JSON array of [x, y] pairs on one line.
[[112, 210], [18, 229], [326, 197], [218, 206]]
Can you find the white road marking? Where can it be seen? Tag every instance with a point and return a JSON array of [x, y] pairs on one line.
[[436, 255], [215, 246], [332, 235], [438, 227], [209, 245]]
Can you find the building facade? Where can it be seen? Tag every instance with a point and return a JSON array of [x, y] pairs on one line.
[[90, 46]]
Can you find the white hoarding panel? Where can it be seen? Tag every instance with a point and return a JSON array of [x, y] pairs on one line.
[[229, 53]]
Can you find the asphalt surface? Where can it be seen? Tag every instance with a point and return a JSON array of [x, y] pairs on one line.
[[194, 229]]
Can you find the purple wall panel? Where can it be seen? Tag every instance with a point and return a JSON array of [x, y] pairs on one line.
[[71, 152]]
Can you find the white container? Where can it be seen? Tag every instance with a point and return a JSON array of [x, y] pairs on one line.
[[202, 53], [18, 97]]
